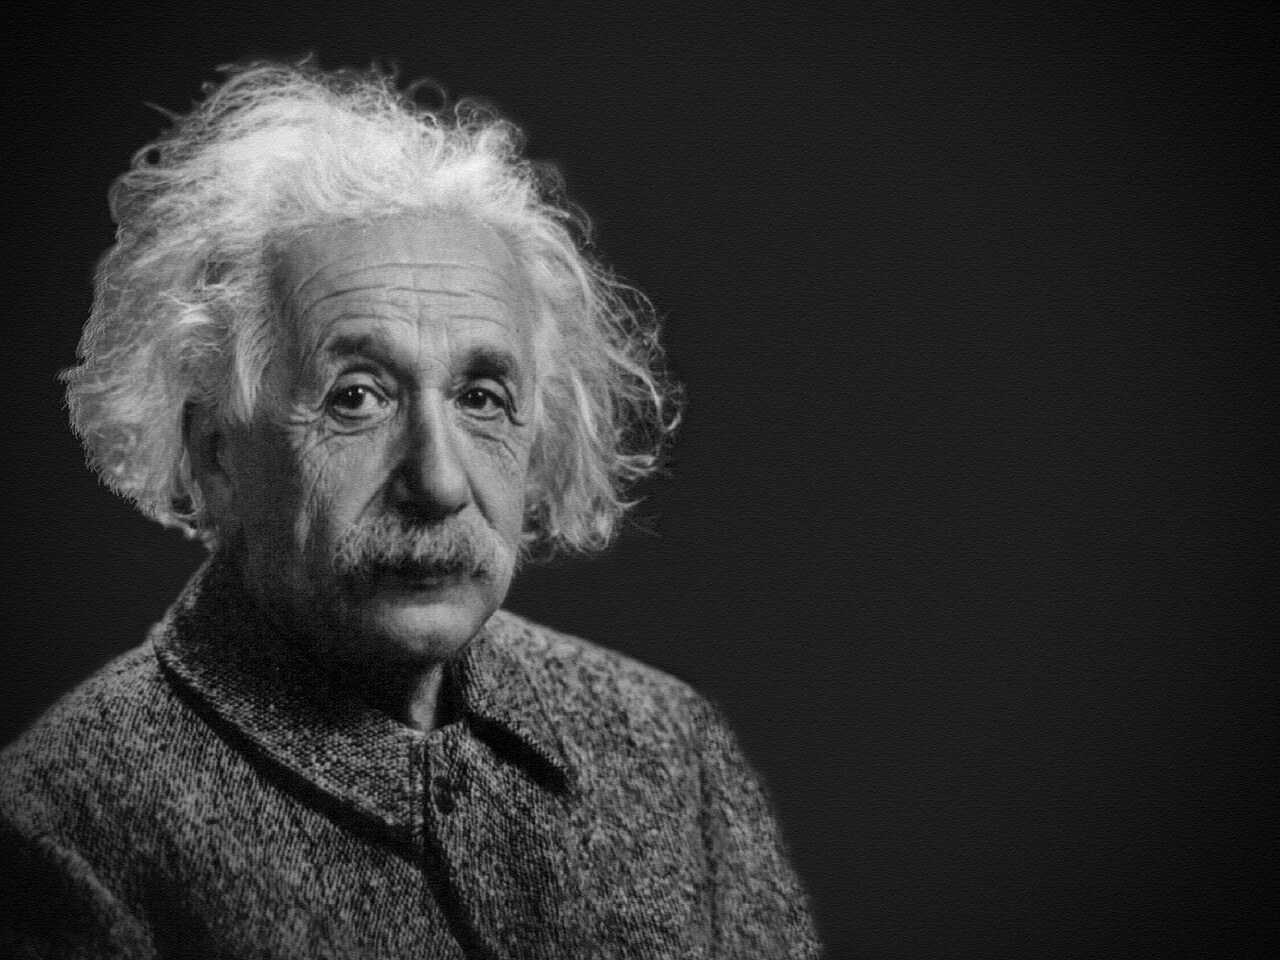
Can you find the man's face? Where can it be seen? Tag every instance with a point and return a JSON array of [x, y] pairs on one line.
[[381, 508]]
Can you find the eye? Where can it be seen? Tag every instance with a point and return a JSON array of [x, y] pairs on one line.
[[483, 402], [357, 402]]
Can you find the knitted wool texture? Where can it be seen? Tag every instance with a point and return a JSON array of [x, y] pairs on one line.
[[210, 794]]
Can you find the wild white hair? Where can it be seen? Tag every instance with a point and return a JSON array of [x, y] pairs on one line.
[[183, 312]]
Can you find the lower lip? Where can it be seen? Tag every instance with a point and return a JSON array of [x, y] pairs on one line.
[[398, 581]]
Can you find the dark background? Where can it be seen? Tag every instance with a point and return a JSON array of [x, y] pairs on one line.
[[968, 522]]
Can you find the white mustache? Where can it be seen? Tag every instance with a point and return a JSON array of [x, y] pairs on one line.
[[390, 544]]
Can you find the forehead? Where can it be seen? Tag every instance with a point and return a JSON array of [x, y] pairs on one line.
[[438, 266]]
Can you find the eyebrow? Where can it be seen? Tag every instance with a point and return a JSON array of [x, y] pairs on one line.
[[487, 361], [353, 345], [480, 360]]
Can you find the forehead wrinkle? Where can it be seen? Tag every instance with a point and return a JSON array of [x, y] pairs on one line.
[[384, 288], [326, 268], [371, 315], [303, 306], [380, 311], [458, 294], [370, 278], [355, 342]]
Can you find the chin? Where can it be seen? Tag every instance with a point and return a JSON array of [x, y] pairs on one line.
[[416, 630]]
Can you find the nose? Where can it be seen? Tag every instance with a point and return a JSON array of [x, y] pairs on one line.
[[430, 482]]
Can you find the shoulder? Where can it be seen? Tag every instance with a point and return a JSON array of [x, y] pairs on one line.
[[93, 746], [587, 684], [77, 796]]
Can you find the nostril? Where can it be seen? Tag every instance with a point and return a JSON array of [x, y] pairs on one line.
[[431, 492], [420, 511]]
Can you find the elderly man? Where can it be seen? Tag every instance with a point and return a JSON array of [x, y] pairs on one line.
[[355, 347]]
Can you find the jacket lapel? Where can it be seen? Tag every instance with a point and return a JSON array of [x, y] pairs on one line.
[[280, 707]]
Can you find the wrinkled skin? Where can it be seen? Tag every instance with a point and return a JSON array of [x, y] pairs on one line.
[[407, 385]]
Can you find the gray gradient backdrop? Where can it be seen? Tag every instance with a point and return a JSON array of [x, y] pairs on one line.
[[967, 526]]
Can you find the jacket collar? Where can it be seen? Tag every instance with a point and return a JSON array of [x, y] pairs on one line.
[[244, 675]]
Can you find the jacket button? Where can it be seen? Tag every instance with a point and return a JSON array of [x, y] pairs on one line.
[[444, 796]]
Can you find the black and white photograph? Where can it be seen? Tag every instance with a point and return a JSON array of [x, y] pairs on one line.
[[640, 485]]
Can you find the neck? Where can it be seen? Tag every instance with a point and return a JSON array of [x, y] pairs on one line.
[[415, 697]]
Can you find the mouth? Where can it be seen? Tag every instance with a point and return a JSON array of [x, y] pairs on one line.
[[420, 576]]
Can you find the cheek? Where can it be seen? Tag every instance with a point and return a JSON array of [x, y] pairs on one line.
[[333, 479], [507, 471]]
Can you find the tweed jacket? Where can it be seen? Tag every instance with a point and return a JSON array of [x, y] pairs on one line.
[[213, 794]]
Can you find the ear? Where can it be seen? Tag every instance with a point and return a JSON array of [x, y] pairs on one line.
[[209, 456]]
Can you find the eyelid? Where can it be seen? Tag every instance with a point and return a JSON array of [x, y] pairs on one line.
[[495, 385], [371, 377], [485, 381], [367, 380], [366, 370], [505, 395]]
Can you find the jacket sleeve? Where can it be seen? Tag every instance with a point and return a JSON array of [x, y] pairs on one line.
[[53, 906], [759, 908]]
